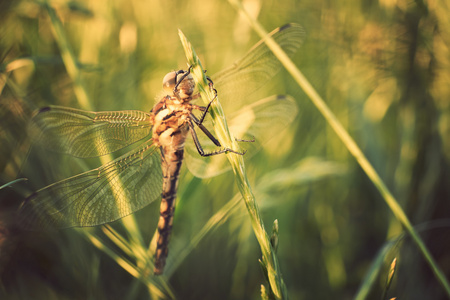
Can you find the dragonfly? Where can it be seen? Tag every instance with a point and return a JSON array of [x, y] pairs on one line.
[[151, 170]]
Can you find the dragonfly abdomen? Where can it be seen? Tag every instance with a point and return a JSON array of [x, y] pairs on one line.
[[171, 165]]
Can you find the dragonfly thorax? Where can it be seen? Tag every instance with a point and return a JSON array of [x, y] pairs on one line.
[[185, 88], [134, 180]]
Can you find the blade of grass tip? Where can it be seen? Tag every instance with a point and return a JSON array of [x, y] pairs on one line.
[[390, 277], [237, 164], [371, 276], [8, 184], [347, 140], [74, 72]]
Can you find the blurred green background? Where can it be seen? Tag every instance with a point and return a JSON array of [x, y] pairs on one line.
[[383, 67]]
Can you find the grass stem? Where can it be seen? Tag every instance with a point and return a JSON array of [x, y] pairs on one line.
[[269, 258], [348, 142]]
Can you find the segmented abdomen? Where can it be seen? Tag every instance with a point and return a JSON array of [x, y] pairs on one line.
[[171, 165]]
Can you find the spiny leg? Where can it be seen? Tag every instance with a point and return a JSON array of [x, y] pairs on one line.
[[199, 146], [199, 122], [185, 74], [211, 86], [209, 134], [206, 109], [245, 141], [205, 130]]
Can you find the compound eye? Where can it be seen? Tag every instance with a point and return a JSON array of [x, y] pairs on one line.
[[169, 81]]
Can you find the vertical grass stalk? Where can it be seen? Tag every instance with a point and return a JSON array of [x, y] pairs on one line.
[[237, 163], [347, 140], [73, 70]]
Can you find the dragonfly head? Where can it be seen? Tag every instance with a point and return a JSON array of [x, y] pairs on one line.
[[179, 83]]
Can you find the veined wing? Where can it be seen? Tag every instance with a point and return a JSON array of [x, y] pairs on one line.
[[260, 120], [256, 68], [88, 134], [99, 196]]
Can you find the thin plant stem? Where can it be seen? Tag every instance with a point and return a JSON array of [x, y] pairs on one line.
[[348, 142], [73, 70], [269, 258]]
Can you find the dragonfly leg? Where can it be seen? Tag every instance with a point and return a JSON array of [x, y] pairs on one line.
[[205, 130], [199, 146], [198, 107], [203, 108], [178, 80], [185, 74], [211, 86], [204, 111], [245, 141], [202, 117]]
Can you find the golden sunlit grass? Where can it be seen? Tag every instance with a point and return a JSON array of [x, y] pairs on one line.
[[269, 262], [383, 70], [351, 146]]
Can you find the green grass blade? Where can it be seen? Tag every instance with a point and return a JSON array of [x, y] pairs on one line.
[[72, 66], [371, 277], [348, 142], [69, 59], [8, 184], [237, 163]]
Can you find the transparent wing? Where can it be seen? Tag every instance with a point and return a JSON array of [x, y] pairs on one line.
[[256, 68], [88, 134], [99, 196], [260, 120]]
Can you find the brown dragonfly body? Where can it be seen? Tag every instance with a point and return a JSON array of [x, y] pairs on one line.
[[171, 121], [151, 170]]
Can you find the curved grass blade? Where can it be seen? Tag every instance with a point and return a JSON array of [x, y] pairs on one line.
[[370, 280], [350, 144], [73, 70], [8, 184], [269, 258]]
